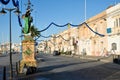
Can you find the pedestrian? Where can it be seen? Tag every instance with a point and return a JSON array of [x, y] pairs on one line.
[[25, 69]]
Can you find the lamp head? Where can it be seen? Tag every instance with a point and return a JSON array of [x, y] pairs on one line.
[[17, 11], [3, 11]]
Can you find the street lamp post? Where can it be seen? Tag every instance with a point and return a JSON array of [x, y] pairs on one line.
[[10, 36]]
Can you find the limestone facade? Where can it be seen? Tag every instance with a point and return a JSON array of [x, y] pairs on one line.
[[82, 39]]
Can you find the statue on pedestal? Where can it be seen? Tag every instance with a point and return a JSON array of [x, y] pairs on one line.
[[28, 44]]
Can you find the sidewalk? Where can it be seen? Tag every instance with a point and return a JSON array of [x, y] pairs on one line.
[[98, 58]]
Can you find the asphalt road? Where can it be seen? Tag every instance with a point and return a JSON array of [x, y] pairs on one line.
[[69, 68], [5, 61]]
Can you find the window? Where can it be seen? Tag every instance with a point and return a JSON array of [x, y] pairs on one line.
[[119, 22], [96, 29], [116, 22], [114, 46], [109, 30]]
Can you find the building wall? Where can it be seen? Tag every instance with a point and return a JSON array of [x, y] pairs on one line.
[[64, 37], [84, 40], [113, 23], [90, 42]]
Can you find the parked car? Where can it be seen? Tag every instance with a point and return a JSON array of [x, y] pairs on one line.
[[56, 53]]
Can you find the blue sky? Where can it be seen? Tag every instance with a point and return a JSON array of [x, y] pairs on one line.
[[47, 11]]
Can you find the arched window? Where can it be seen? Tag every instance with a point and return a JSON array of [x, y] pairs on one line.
[[114, 46], [119, 22]]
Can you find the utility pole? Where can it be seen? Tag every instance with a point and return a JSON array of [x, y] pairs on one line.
[[85, 10]]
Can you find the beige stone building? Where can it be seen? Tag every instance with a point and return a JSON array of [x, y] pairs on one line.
[[113, 29], [5, 47], [87, 40], [94, 44], [41, 46], [65, 39]]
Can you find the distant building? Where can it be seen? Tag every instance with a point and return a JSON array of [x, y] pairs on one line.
[[5, 47], [41, 46]]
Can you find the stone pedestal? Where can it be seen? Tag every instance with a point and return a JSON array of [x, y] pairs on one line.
[[28, 55]]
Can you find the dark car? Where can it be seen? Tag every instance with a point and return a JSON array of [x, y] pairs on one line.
[[56, 53]]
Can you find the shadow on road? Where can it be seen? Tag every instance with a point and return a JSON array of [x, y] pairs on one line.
[[49, 68], [47, 71], [102, 72]]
